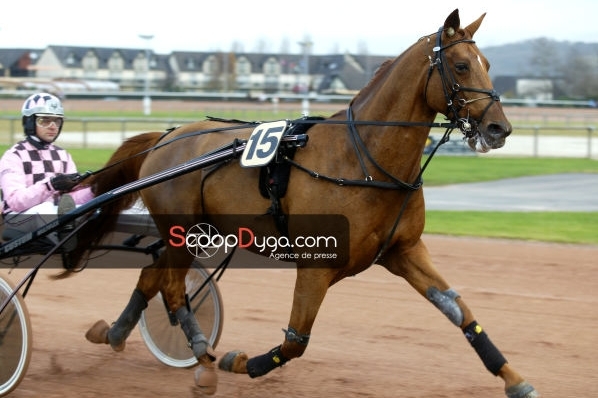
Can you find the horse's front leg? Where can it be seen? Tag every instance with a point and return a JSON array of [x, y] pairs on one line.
[[311, 286], [416, 267]]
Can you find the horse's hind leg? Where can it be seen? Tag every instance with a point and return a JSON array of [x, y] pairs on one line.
[[171, 282], [416, 267], [117, 334]]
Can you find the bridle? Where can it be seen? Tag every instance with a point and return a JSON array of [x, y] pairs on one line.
[[454, 102]]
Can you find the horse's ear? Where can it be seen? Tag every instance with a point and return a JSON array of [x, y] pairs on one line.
[[473, 27], [452, 23]]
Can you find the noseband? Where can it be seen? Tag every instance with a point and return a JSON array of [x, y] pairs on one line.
[[451, 89]]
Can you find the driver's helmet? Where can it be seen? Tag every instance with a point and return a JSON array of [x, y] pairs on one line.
[[40, 104]]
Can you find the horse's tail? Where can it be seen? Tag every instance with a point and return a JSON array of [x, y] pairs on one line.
[[122, 167]]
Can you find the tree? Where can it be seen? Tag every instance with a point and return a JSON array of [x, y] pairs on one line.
[[544, 59], [580, 76]]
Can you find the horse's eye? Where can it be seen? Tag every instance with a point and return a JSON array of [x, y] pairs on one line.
[[461, 67]]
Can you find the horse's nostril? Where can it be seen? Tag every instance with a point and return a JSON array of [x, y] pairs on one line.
[[499, 129]]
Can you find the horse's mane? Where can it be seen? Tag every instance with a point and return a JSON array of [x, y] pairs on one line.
[[380, 73], [377, 76]]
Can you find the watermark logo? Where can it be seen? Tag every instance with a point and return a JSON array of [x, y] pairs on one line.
[[203, 240], [322, 239]]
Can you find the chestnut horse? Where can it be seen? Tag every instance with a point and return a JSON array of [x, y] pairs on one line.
[[361, 163]]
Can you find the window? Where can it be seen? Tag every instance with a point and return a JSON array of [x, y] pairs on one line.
[[89, 63], [70, 59], [140, 64], [243, 66], [190, 63], [271, 67], [210, 66], [116, 64]]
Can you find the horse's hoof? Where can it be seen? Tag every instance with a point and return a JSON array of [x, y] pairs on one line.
[[522, 390], [119, 347], [98, 333], [229, 362], [206, 380]]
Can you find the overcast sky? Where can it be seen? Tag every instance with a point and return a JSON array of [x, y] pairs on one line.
[[383, 27]]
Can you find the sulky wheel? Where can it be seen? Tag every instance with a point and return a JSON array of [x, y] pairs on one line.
[[15, 339], [166, 341]]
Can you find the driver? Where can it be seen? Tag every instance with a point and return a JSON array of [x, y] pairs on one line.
[[38, 179]]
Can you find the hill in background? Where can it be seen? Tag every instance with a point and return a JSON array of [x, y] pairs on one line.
[[540, 57]]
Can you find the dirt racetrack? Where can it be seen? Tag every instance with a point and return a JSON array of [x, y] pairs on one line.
[[374, 335]]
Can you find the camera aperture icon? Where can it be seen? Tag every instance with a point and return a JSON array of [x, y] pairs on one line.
[[203, 240]]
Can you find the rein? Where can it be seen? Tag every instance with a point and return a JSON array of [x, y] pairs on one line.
[[161, 144], [245, 124], [361, 150]]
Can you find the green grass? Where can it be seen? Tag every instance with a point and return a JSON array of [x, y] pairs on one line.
[[569, 227], [562, 227], [90, 159], [86, 159], [444, 170]]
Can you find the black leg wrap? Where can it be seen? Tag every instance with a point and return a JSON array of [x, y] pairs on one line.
[[121, 329], [260, 365], [487, 351], [197, 340]]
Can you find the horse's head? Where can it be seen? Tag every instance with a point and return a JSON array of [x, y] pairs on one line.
[[459, 86]]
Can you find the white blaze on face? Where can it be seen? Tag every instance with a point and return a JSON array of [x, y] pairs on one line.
[[480, 61]]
